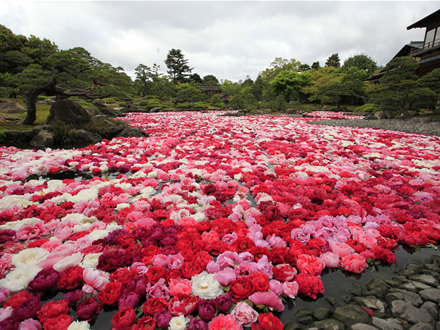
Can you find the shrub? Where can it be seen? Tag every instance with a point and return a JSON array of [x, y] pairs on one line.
[[123, 104], [368, 107], [143, 103], [42, 97], [153, 104], [201, 105]]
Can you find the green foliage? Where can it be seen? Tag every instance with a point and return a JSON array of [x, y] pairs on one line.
[[153, 103], [188, 93], [362, 62], [398, 86], [143, 103], [326, 86], [177, 65], [333, 61], [123, 104], [368, 107], [279, 65], [289, 84], [279, 104], [201, 105], [62, 132], [109, 99]]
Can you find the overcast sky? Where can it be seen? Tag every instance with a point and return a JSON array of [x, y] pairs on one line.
[[229, 39]]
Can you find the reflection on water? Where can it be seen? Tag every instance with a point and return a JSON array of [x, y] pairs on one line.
[[336, 284]]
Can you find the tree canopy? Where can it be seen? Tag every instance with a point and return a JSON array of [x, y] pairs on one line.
[[177, 65]]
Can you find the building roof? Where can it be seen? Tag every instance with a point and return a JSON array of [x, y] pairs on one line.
[[406, 50], [424, 22]]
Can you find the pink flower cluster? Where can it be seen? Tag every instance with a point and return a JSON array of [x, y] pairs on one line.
[[205, 213]]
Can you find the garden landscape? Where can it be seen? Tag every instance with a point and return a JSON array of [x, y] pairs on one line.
[[306, 199]]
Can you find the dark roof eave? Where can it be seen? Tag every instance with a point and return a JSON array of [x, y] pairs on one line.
[[425, 21]]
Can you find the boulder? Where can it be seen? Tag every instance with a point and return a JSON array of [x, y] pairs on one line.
[[156, 109], [82, 138], [105, 110], [132, 132], [69, 112], [7, 106], [350, 315], [384, 114], [50, 101], [44, 139]]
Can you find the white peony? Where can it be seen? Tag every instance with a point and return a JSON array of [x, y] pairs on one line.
[[29, 257], [16, 225], [69, 261], [178, 323], [205, 286], [19, 278], [90, 260], [79, 325]]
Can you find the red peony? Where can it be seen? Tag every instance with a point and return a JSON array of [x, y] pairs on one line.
[[268, 321], [309, 285], [242, 288], [60, 322], [154, 305], [154, 274], [260, 281], [18, 298], [71, 278], [124, 318], [146, 322], [110, 294], [284, 272], [190, 268], [183, 305], [53, 309]]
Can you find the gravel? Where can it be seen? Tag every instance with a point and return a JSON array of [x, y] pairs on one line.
[[414, 125]]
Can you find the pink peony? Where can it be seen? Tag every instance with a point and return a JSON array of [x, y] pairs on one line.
[[330, 259], [96, 278], [309, 264], [222, 322], [341, 249], [269, 299], [354, 263], [225, 276], [179, 287], [244, 314], [290, 289], [175, 261]]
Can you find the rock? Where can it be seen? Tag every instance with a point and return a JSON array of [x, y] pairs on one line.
[[377, 287], [431, 294], [7, 106], [389, 324], [329, 324], [373, 303], [82, 138], [156, 109], [322, 313], [422, 326], [407, 296], [351, 314], [105, 110], [44, 139], [427, 279], [49, 101], [384, 114], [363, 326], [69, 112], [20, 138], [370, 117], [408, 312], [292, 326], [304, 316], [132, 132], [432, 308]]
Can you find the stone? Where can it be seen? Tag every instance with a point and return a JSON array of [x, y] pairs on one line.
[[426, 279], [431, 294], [431, 307], [334, 302], [292, 326], [69, 112], [422, 326], [328, 324], [377, 287], [351, 314], [322, 312], [408, 312], [384, 114], [304, 316], [7, 106], [373, 303], [370, 117], [156, 109], [132, 132], [407, 296], [389, 324], [363, 326], [105, 110], [44, 139], [49, 101], [16, 138], [82, 138]]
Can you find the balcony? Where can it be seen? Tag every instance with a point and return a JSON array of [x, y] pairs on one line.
[[427, 47]]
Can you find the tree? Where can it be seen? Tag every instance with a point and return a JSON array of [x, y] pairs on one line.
[[188, 93], [212, 83], [177, 65], [280, 64], [353, 82], [362, 62], [326, 86], [279, 104], [290, 84], [145, 77], [398, 86], [315, 65], [195, 78], [333, 61]]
